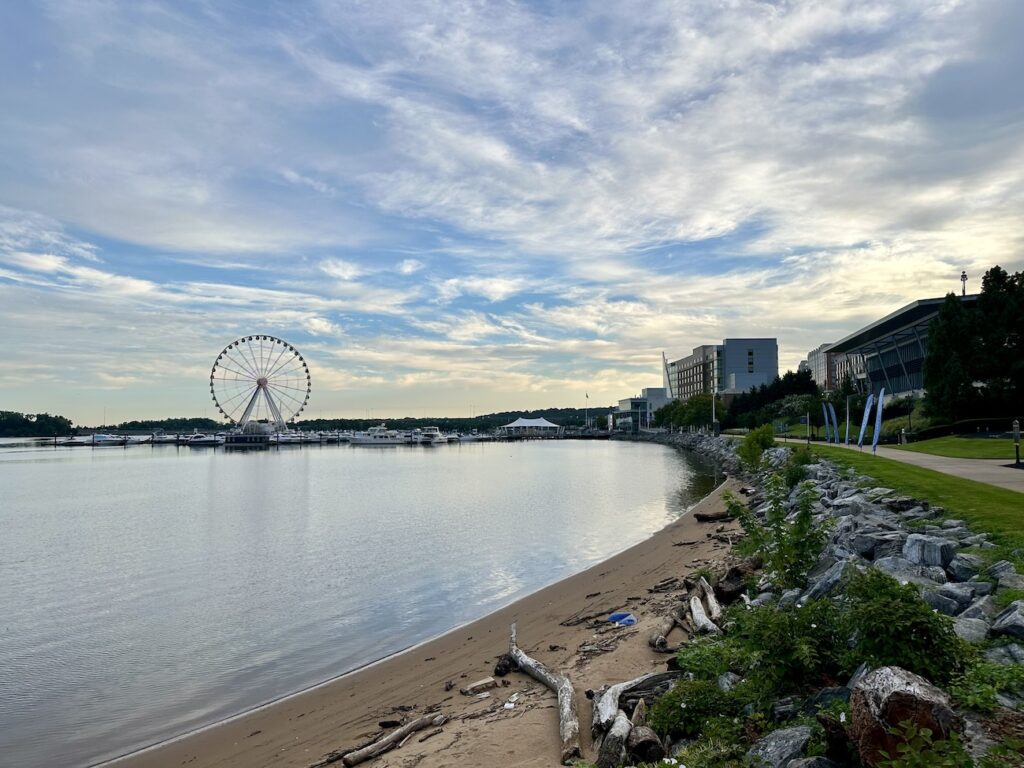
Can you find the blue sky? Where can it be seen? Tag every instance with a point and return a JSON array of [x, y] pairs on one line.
[[466, 207]]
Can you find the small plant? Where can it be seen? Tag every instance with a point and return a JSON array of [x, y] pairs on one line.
[[795, 469], [1006, 596], [684, 709], [706, 658], [894, 626], [919, 750], [712, 753], [754, 444], [978, 687], [1006, 754], [789, 548]]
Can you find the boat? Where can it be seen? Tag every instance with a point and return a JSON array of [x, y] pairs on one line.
[[379, 436], [138, 439], [103, 440], [76, 440], [199, 440], [162, 438], [432, 436]]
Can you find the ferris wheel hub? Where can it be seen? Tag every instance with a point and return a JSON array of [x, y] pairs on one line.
[[262, 382]]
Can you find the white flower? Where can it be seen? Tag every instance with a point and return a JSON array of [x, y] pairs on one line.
[[814, 626], [683, 705], [842, 717]]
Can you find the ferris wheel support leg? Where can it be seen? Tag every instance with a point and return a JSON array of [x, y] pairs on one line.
[[274, 409], [248, 409]]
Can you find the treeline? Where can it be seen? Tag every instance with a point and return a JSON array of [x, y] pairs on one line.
[[975, 363], [172, 426], [566, 417], [14, 424], [789, 396]]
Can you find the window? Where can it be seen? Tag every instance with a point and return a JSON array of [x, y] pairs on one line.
[[750, 361]]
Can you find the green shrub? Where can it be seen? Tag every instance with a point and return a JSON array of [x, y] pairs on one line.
[[684, 709], [795, 469], [786, 650], [977, 687], [919, 750], [894, 626], [706, 658], [754, 444], [712, 753], [789, 548]]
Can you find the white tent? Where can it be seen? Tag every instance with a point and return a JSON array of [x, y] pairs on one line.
[[523, 426]]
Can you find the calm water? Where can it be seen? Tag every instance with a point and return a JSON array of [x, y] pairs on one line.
[[150, 590]]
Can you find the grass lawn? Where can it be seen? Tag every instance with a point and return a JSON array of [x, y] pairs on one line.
[[998, 511], [964, 447]]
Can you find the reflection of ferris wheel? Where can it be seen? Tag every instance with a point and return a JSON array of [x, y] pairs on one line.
[[260, 378]]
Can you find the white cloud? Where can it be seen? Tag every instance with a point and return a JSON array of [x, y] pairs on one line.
[[410, 266], [341, 269]]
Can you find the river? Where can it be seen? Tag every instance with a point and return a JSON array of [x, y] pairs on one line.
[[150, 590]]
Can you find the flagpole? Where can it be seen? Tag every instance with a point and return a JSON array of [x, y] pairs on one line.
[[586, 412]]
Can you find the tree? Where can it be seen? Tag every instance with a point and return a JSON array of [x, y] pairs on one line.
[[950, 361]]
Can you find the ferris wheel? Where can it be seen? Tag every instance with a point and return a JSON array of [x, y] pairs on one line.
[[260, 378]]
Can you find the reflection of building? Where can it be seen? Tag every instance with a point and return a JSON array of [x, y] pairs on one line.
[[731, 367], [636, 413], [890, 352]]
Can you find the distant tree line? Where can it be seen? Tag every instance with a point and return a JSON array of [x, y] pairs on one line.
[[14, 424], [172, 425], [975, 362], [565, 417]]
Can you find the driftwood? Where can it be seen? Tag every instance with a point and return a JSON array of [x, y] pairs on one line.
[[659, 635], [714, 609], [712, 517], [568, 721], [650, 688], [392, 740], [606, 704], [700, 620], [614, 742], [643, 745]]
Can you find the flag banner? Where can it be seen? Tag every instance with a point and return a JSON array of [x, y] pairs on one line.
[[828, 434], [864, 423], [835, 423], [878, 420], [847, 422]]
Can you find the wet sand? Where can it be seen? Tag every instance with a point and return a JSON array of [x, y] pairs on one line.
[[302, 729]]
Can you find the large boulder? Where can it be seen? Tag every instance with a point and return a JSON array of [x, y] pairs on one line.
[[1010, 621], [1005, 654], [922, 549], [888, 696], [779, 748], [982, 608], [971, 630], [827, 582], [906, 572], [964, 566]]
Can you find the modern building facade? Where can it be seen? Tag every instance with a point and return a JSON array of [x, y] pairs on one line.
[[829, 368], [636, 413], [731, 367], [890, 352]]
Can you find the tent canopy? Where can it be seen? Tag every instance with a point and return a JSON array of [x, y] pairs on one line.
[[522, 423]]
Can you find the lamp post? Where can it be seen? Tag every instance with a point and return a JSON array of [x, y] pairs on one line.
[[963, 282], [1016, 441]]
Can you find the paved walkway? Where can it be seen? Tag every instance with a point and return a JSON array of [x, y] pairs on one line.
[[991, 471]]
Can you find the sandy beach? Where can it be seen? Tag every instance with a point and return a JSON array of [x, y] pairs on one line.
[[302, 729]]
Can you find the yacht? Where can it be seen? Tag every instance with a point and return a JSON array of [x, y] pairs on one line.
[[199, 440], [162, 438], [101, 440], [138, 439], [379, 436], [76, 440], [432, 436]]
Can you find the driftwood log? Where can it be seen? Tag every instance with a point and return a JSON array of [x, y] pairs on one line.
[[701, 622], [393, 739], [658, 638], [714, 609], [712, 517], [614, 743], [643, 744], [568, 720], [606, 703], [650, 688]]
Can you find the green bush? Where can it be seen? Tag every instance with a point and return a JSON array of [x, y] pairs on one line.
[[795, 469], [706, 658], [919, 750], [787, 650], [789, 548], [754, 444], [894, 626], [683, 711], [712, 753], [977, 687]]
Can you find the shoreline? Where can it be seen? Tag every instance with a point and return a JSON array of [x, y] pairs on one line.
[[300, 728]]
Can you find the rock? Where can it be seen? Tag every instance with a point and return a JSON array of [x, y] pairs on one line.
[[480, 685], [728, 680], [907, 572], [1010, 621], [825, 697], [940, 603], [954, 523], [827, 583], [813, 762], [996, 570], [789, 597], [1005, 654], [888, 696], [921, 549], [779, 748], [867, 545], [964, 566], [963, 594], [785, 709], [982, 587], [733, 584], [971, 630], [982, 608], [858, 674], [765, 598], [1012, 580]]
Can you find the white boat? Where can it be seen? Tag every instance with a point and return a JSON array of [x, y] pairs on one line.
[[199, 440], [102, 440], [379, 436], [432, 436], [76, 440], [161, 438], [138, 439]]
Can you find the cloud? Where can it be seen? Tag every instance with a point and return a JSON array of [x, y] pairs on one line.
[[341, 269], [410, 266]]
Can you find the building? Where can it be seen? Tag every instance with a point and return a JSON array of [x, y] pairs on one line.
[[529, 428], [731, 367], [890, 352], [829, 368], [636, 413], [819, 363]]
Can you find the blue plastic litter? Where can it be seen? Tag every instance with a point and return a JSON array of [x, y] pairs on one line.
[[622, 619]]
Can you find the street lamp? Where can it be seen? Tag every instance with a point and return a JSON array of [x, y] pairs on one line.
[[963, 282], [1016, 441]]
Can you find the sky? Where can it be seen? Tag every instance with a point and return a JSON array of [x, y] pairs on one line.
[[454, 208]]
